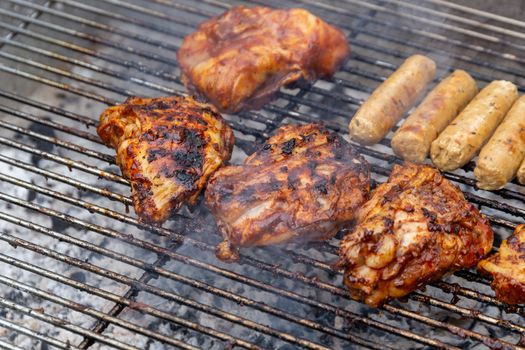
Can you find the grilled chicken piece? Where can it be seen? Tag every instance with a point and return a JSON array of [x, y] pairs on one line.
[[167, 147], [239, 59], [415, 228], [507, 267], [303, 184]]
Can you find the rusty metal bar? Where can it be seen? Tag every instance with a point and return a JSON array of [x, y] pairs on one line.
[[201, 245], [483, 201], [35, 335], [153, 268], [107, 295], [223, 272], [162, 293], [60, 323], [65, 161], [72, 305]]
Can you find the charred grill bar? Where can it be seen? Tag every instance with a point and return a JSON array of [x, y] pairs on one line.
[[73, 257]]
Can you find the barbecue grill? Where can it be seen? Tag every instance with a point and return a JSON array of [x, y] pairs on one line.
[[79, 271]]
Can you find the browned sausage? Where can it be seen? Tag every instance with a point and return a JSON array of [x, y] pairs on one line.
[[462, 139], [501, 157], [390, 101], [413, 139]]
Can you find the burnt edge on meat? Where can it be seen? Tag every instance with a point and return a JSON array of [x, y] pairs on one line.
[[171, 137], [285, 159], [510, 259], [458, 235]]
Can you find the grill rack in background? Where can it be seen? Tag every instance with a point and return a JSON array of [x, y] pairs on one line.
[[88, 61]]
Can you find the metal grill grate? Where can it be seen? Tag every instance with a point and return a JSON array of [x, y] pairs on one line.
[[79, 271]]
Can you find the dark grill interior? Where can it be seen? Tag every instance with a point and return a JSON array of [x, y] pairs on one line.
[[79, 271]]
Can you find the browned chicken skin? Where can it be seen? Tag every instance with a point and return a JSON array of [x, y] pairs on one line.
[[303, 184], [239, 59], [415, 228], [167, 147], [507, 267]]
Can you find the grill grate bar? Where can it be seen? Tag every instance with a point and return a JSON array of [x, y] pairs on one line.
[[55, 176], [51, 124], [477, 199], [89, 311], [336, 128], [204, 246], [293, 102], [300, 277], [104, 294], [426, 21], [158, 14], [371, 32], [77, 48], [94, 24], [102, 324], [472, 197], [314, 89], [424, 299], [508, 193], [478, 12], [86, 121], [157, 270], [317, 90], [164, 294], [430, 36], [56, 84], [85, 36], [66, 161], [58, 142], [35, 335], [463, 20], [8, 346], [57, 322]]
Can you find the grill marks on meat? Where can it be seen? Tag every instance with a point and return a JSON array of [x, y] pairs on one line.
[[303, 184], [415, 228], [167, 147], [507, 268], [239, 59]]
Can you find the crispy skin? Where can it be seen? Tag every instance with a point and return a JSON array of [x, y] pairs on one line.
[[415, 228], [304, 184], [507, 267], [167, 147], [239, 59]]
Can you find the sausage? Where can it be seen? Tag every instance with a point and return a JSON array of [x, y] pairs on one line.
[[462, 139], [501, 157], [521, 173], [413, 139], [390, 101]]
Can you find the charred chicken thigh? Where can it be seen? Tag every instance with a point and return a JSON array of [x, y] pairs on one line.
[[507, 267], [415, 228], [239, 59], [303, 184], [167, 147]]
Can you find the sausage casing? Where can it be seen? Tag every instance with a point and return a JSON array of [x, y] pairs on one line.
[[413, 139], [521, 173], [460, 141], [501, 157], [390, 101]]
